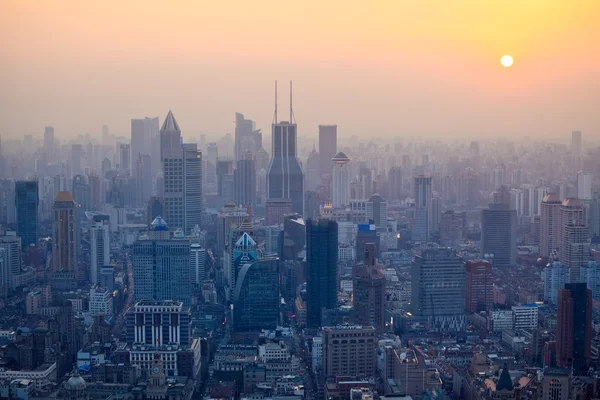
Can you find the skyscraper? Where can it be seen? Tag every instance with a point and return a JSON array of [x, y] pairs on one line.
[[125, 157], [574, 246], [197, 263], [438, 289], [341, 180], [245, 181], [10, 253], [256, 296], [285, 178], [480, 286], [64, 233], [584, 186], [499, 231], [421, 228], [549, 224], [321, 262], [376, 208], [574, 327], [327, 147], [182, 174], [161, 266], [555, 277], [369, 292], [247, 137], [99, 246], [26, 202], [366, 234]]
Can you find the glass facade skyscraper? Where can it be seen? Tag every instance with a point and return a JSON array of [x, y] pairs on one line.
[[321, 260]]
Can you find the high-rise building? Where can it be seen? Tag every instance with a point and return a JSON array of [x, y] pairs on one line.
[[321, 262], [312, 170], [99, 246], [574, 246], [225, 180], [10, 255], [353, 355], [26, 203], [369, 292], [438, 289], [245, 181], [480, 286], [138, 139], [421, 229], [595, 213], [64, 233], [242, 249], [256, 296], [574, 327], [285, 178], [341, 180], [198, 263], [549, 224], [125, 157], [584, 186], [247, 137], [155, 208], [192, 188], [161, 265], [395, 183], [143, 178], [182, 174], [376, 208], [230, 216], [452, 227], [499, 231], [555, 276]]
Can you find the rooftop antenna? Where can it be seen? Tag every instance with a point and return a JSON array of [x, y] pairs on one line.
[[291, 109], [275, 116]]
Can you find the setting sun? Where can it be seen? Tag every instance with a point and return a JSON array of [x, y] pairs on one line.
[[506, 61]]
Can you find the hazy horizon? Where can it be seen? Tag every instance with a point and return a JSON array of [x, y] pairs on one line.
[[386, 69]]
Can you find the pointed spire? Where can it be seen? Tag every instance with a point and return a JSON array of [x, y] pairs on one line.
[[505, 381], [170, 123]]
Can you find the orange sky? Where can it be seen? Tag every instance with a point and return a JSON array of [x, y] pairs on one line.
[[394, 68]]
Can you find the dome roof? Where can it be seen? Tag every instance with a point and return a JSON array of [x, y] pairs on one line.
[[159, 224], [340, 158], [75, 382]]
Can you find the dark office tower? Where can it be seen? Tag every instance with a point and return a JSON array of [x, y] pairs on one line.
[[225, 180], [395, 183], [285, 178], [192, 189], [245, 181], [574, 327], [76, 153], [327, 147], [480, 286], [438, 289], [26, 203], [366, 234], [369, 292], [256, 296], [321, 262], [64, 234], [155, 208], [171, 155], [143, 178], [49, 142], [499, 232]]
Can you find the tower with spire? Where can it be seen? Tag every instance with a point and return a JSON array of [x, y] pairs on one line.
[[285, 177]]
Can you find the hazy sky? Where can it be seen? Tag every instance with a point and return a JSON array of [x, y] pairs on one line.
[[394, 67]]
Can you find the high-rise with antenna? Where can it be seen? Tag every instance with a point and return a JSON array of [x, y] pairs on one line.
[[285, 178]]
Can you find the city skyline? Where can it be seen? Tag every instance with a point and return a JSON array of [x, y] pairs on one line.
[[372, 70]]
